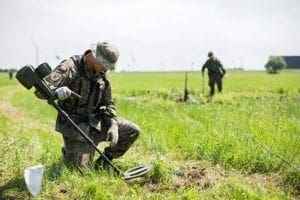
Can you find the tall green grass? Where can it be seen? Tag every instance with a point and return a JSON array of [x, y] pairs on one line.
[[239, 133]]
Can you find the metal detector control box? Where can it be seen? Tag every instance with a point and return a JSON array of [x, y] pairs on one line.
[[29, 77]]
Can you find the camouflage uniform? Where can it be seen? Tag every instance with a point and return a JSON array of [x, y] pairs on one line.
[[95, 93], [215, 74]]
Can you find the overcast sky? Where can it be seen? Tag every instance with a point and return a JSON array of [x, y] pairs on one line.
[[151, 35]]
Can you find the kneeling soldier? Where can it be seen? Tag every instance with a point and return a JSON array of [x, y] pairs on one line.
[[94, 112]]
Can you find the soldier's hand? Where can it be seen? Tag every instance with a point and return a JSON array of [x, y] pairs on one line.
[[63, 93], [113, 134]]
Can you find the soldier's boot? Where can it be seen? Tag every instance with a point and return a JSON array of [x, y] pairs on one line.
[[102, 164], [212, 91]]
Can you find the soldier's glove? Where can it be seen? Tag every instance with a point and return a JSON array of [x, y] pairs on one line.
[[63, 93], [113, 134]]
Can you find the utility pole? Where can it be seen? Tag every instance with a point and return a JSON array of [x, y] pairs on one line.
[[192, 65], [36, 51], [133, 62]]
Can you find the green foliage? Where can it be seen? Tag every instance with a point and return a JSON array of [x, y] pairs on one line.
[[190, 194], [275, 64], [160, 171], [237, 189], [292, 178]]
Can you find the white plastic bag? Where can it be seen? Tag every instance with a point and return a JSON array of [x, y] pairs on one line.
[[34, 178]]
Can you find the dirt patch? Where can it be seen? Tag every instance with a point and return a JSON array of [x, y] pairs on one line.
[[195, 175], [5, 106], [201, 178], [9, 111], [199, 175]]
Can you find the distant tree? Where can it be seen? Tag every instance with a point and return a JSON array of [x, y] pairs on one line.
[[275, 64]]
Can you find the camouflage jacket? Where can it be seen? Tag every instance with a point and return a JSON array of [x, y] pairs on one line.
[[214, 66], [94, 89]]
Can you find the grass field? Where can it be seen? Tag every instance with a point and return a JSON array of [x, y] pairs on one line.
[[226, 148]]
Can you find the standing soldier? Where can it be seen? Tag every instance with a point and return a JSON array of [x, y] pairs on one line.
[[10, 73], [94, 112], [215, 73]]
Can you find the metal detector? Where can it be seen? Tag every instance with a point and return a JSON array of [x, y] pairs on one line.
[[30, 77]]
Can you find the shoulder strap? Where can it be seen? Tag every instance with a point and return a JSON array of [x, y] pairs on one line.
[[78, 61]]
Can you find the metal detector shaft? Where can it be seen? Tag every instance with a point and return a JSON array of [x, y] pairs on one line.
[[83, 134]]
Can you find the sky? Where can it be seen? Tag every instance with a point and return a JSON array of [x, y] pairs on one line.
[[156, 35]]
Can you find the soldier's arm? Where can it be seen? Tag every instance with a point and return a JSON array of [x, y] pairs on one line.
[[62, 75], [203, 67], [221, 66], [110, 108]]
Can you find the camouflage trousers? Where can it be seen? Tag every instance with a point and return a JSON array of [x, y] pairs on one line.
[[78, 152]]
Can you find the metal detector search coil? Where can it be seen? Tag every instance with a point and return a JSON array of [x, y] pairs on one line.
[[136, 172]]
